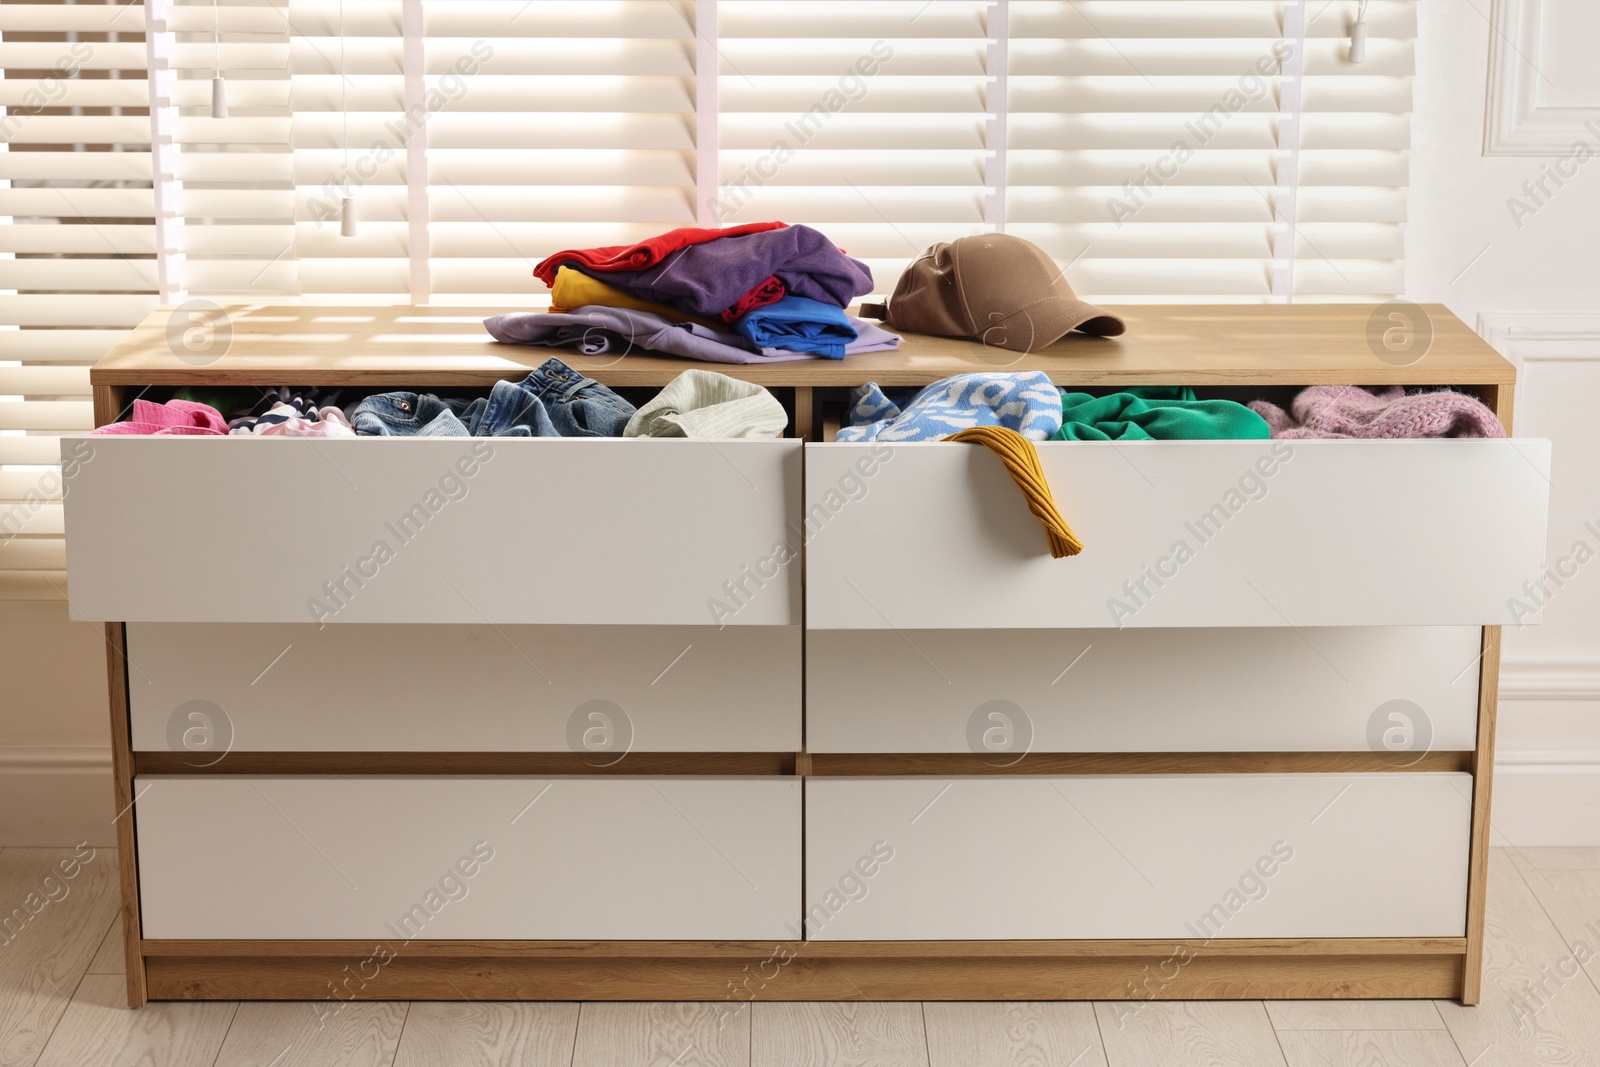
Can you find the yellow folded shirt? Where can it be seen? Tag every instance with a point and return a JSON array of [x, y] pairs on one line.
[[574, 289]]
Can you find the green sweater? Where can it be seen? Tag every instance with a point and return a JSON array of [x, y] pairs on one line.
[[1156, 413]]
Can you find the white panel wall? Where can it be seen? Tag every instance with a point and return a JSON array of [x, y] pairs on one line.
[[1508, 257]]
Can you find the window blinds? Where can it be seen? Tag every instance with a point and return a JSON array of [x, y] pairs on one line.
[[1149, 142], [1161, 150], [77, 249]]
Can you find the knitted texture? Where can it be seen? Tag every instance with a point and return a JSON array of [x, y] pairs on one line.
[[1351, 411], [1022, 463]]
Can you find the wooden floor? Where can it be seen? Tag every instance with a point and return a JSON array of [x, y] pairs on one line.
[[61, 1005]]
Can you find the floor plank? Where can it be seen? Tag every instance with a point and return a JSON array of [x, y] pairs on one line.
[[1560, 859], [663, 1035], [1571, 898], [1370, 1048], [1200, 1033], [1353, 1015], [1531, 1012], [1013, 1035], [304, 1034], [98, 1030], [854, 1033], [50, 926], [109, 958], [477, 1034]]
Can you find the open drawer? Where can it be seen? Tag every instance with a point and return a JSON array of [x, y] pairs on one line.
[[1177, 533], [434, 530]]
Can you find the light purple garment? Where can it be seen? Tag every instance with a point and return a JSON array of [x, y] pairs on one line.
[[707, 278], [596, 330], [1351, 411]]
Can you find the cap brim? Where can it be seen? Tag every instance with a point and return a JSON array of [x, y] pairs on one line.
[[1048, 321]]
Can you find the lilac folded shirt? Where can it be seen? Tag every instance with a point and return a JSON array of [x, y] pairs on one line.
[[706, 278], [596, 330]]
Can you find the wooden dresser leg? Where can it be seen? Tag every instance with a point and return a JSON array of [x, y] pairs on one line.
[[122, 774], [1502, 399], [1482, 787]]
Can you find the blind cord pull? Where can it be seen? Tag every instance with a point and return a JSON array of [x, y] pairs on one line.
[[219, 88]]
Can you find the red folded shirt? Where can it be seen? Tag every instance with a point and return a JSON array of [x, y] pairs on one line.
[[769, 291], [646, 253]]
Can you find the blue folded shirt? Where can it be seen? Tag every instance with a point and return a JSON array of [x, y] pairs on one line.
[[798, 324]]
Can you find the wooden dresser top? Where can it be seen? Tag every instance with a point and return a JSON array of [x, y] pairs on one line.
[[437, 346]]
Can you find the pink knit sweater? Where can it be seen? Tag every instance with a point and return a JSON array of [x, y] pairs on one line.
[[1351, 411]]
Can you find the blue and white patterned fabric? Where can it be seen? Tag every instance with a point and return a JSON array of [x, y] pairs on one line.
[[1026, 403]]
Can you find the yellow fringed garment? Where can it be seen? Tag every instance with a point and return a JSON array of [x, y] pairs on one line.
[[1022, 463]]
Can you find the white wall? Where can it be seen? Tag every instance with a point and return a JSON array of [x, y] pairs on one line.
[[1534, 288], [1530, 283], [55, 754]]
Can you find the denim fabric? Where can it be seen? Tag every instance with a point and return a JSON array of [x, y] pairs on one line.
[[553, 401]]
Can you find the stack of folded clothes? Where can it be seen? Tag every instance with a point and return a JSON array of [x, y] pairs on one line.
[[757, 293]]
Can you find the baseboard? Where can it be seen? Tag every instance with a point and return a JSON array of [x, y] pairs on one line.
[[55, 795], [1546, 797]]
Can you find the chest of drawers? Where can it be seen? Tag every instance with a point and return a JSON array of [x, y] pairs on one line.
[[734, 720]]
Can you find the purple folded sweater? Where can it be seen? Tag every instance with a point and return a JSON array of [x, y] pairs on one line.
[[1351, 411], [706, 278]]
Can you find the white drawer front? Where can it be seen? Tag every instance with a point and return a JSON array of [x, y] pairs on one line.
[[448, 530], [1184, 533], [1132, 856], [563, 858], [1264, 689], [291, 687]]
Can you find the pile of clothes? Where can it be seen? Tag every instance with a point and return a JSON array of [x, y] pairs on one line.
[[1349, 411], [557, 401], [281, 412], [761, 292], [553, 401], [1030, 405]]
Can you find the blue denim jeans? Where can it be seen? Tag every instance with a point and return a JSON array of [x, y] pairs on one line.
[[553, 401]]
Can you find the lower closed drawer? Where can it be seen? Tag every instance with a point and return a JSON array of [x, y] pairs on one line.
[[395, 859], [1189, 857], [1262, 689], [290, 687]]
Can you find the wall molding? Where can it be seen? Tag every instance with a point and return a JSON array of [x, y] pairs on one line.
[[1563, 679], [15, 759], [1542, 336], [1514, 123]]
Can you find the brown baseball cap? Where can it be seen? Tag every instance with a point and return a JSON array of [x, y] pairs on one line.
[[993, 288]]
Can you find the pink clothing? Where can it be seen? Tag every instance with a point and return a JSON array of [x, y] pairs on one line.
[[173, 419], [330, 422], [1351, 411]]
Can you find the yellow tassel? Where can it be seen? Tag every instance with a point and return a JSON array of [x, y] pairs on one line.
[[1022, 463]]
